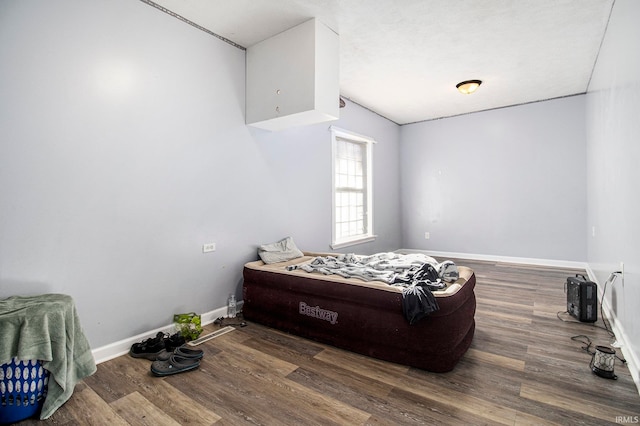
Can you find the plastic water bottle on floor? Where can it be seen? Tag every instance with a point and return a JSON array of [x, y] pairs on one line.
[[231, 306]]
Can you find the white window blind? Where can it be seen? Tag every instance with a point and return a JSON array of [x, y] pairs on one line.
[[352, 213]]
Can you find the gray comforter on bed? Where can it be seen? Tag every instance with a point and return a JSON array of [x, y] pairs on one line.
[[418, 273]]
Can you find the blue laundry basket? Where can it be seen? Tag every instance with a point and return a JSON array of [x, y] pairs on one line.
[[23, 388]]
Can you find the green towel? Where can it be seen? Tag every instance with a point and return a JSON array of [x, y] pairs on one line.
[[47, 328]]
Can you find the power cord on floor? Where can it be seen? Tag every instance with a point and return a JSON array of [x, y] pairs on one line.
[[588, 344]]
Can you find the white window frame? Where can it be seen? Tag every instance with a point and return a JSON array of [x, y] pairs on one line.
[[367, 142]]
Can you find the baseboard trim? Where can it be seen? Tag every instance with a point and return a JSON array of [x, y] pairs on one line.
[[116, 349], [503, 259]]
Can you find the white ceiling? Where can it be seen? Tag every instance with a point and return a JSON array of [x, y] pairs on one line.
[[403, 58]]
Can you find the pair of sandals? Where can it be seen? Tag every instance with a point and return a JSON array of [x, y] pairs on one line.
[[182, 359], [154, 346]]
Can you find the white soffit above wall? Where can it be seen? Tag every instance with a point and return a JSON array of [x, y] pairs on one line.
[[402, 59]]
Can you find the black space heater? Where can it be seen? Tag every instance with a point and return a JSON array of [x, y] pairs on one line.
[[582, 298]]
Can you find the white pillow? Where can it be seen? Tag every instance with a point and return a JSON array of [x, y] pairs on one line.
[[280, 251]]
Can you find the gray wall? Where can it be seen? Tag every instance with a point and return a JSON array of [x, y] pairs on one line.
[[507, 182], [123, 149], [613, 154]]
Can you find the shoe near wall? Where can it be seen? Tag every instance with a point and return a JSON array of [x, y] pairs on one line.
[[174, 341], [149, 348]]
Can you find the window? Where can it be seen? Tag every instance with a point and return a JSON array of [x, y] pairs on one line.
[[352, 184]]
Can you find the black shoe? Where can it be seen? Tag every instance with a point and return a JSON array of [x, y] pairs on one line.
[[149, 348], [174, 341]]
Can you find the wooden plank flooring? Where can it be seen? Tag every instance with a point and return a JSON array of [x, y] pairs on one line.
[[522, 369]]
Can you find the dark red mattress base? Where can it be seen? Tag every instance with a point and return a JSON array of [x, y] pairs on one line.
[[360, 319]]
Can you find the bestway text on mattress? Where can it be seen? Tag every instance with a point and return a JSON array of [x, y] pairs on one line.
[[318, 312]]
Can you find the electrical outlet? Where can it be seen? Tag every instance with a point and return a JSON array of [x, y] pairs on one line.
[[426, 236], [209, 247]]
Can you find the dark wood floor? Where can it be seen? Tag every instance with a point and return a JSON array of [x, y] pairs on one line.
[[523, 369]]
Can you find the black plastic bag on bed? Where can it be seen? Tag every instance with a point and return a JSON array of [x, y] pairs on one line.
[[417, 303]]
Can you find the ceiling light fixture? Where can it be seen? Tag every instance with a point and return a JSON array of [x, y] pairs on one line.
[[469, 86]]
